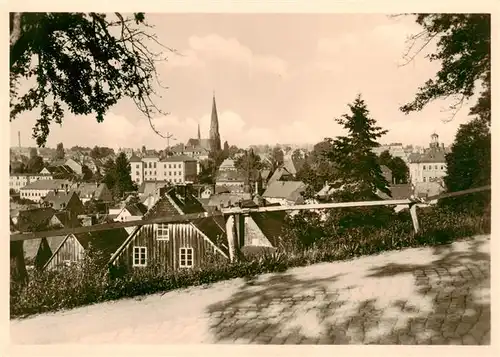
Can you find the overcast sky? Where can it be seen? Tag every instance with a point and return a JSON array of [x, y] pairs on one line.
[[277, 79]]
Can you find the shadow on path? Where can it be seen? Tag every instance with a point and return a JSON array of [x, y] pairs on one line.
[[448, 303]]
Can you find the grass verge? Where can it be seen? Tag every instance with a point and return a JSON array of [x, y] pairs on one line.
[[87, 284]]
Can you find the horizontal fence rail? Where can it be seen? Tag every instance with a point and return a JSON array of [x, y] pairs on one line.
[[236, 210]]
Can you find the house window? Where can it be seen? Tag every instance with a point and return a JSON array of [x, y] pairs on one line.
[[424, 179], [164, 166], [169, 166], [140, 256], [137, 166], [435, 167], [186, 257], [137, 173], [155, 173], [442, 167], [424, 167], [154, 165], [162, 232]]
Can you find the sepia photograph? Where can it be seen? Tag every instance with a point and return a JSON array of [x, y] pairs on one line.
[[250, 178]]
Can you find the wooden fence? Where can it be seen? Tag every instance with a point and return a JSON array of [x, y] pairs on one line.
[[235, 214]]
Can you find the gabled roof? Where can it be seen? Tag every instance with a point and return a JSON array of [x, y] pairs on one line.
[[107, 241], [60, 198], [289, 190], [35, 219], [271, 224], [278, 174], [134, 158], [149, 187], [227, 163], [55, 184], [176, 202], [227, 199], [136, 209], [230, 176], [265, 174], [177, 158]]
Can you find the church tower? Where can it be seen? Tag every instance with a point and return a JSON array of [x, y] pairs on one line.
[[215, 144]]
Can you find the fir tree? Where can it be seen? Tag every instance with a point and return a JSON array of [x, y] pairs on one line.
[[123, 181], [358, 170]]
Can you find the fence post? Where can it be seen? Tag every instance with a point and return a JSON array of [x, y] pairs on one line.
[[414, 218], [230, 231], [17, 262]]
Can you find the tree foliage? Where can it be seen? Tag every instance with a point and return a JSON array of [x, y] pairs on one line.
[[248, 162], [398, 167], [33, 153], [123, 181], [100, 152], [87, 173], [60, 151], [357, 167], [81, 62], [35, 165], [276, 158], [464, 51], [469, 165]]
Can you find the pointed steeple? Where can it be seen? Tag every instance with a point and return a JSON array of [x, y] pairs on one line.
[[215, 144]]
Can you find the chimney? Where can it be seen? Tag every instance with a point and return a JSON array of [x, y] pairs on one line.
[[19, 138]]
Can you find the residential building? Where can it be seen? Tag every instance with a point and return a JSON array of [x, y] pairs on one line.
[[227, 165], [72, 248], [174, 245], [93, 191], [286, 193], [232, 180], [64, 200], [37, 190], [430, 166], [131, 212], [178, 169], [75, 165], [174, 169], [17, 181]]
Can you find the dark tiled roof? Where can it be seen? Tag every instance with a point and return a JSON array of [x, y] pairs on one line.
[[107, 241], [230, 176], [134, 158], [178, 158], [401, 191], [34, 219], [59, 199], [431, 155], [271, 224], [290, 190], [46, 185], [136, 209]]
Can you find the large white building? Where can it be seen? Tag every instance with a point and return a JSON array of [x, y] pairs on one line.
[[175, 169], [430, 166], [37, 190], [18, 181]]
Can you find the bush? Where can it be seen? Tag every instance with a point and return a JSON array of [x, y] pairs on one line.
[[86, 283]]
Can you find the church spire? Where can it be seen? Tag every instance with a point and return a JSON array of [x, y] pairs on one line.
[[215, 144]]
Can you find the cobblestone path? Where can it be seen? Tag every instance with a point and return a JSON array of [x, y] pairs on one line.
[[432, 295]]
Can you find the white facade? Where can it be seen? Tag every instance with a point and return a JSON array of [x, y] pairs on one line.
[[176, 169], [427, 172], [18, 181]]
